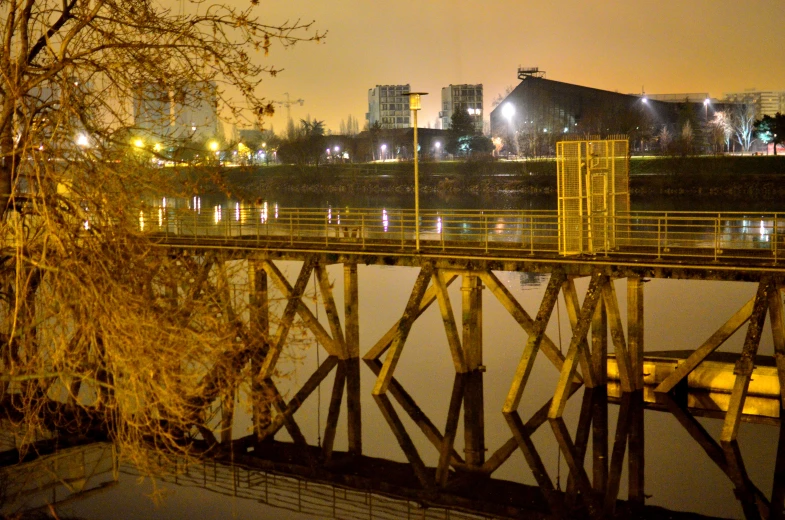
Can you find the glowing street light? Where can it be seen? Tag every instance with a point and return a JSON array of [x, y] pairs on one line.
[[384, 151], [82, 140], [508, 111], [706, 107], [138, 143], [414, 106], [213, 146]]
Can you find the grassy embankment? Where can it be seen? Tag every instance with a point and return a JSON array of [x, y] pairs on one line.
[[650, 175]]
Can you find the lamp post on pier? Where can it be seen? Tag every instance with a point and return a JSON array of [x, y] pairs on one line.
[[414, 106]]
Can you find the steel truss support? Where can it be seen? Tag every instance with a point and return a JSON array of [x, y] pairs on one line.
[[342, 345], [598, 312], [767, 299], [727, 457]]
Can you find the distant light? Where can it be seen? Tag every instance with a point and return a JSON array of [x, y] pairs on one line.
[[545, 130], [645, 99], [706, 102], [82, 140], [337, 148], [565, 129], [508, 110], [213, 146], [138, 143], [157, 147], [438, 145]]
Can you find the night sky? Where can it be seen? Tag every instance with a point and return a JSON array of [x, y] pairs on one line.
[[664, 46]]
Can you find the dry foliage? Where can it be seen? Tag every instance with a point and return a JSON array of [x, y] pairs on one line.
[[99, 327]]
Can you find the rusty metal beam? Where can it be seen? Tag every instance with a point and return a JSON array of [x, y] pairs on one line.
[[584, 354], [684, 368], [617, 455], [404, 441], [331, 310], [307, 389], [746, 362], [533, 343], [351, 302], [777, 316], [574, 461], [450, 430], [385, 341], [288, 316], [408, 404], [404, 326], [635, 330], [305, 313], [454, 342], [517, 311], [523, 440], [617, 335], [335, 410], [590, 301], [599, 345]]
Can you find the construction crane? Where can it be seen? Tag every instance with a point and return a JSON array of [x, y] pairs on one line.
[[288, 104]]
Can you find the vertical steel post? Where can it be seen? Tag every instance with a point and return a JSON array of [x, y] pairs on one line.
[[416, 190], [635, 330], [474, 410], [352, 336]]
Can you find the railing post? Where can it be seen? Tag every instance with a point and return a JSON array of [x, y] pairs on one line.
[[531, 235], [362, 229], [485, 227], [716, 238], [326, 229], [291, 229], [400, 213], [444, 227], [775, 239], [659, 239]]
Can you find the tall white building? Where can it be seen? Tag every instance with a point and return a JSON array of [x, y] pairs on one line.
[[389, 106], [187, 111], [767, 102], [462, 97]]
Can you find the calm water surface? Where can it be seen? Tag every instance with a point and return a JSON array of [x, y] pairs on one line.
[[679, 475]]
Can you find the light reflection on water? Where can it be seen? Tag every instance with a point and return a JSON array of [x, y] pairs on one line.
[[679, 475]]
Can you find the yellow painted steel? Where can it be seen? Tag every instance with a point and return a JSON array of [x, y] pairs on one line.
[[648, 238], [592, 189]]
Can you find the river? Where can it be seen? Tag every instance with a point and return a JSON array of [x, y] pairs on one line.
[[679, 474]]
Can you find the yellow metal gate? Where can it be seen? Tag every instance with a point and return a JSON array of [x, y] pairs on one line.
[[593, 191]]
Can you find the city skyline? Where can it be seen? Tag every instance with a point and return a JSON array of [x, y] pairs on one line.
[[659, 47]]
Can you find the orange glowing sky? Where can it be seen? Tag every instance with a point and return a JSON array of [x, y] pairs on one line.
[[664, 46]]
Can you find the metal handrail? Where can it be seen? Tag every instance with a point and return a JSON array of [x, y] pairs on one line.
[[715, 237]]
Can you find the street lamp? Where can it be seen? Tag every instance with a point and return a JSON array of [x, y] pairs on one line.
[[384, 151], [508, 111], [438, 145], [706, 106], [414, 106]]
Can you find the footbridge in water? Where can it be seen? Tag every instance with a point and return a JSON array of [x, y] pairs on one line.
[[472, 246]]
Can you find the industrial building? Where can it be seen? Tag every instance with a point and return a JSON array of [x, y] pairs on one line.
[[539, 112]]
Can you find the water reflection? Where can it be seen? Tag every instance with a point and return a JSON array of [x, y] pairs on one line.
[[589, 482]]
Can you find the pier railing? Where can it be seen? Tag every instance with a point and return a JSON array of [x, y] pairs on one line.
[[731, 236]]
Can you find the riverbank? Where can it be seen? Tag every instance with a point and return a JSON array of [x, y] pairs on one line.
[[724, 176]]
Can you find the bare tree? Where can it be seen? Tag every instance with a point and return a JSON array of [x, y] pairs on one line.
[[742, 119], [93, 316], [720, 131], [664, 138]]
